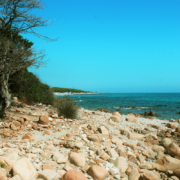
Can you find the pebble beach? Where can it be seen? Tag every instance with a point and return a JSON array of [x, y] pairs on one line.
[[37, 144]]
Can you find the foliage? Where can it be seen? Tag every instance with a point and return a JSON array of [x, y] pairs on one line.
[[66, 107], [2, 165], [62, 90], [26, 85]]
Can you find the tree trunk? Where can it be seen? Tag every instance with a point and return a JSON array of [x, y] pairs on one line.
[[6, 96]]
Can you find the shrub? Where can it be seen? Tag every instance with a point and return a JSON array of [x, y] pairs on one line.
[[66, 107], [2, 165], [29, 88]]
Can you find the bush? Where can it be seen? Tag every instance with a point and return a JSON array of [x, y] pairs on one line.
[[66, 107], [2, 164], [29, 88]]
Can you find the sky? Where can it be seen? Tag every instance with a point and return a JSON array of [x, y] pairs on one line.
[[111, 45]]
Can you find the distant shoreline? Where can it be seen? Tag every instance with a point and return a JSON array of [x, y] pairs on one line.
[[80, 93]]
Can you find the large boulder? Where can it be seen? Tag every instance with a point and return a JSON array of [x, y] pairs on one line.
[[74, 175], [24, 169], [98, 173], [43, 120]]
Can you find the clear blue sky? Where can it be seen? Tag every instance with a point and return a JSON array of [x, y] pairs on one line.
[[112, 45]]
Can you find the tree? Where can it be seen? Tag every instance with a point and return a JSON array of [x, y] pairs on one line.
[[15, 51]]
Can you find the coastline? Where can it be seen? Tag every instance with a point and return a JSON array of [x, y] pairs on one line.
[[70, 93], [120, 146]]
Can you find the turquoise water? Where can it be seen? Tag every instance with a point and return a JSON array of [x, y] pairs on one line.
[[167, 105]]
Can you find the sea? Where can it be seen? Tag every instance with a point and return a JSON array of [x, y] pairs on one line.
[[166, 105]]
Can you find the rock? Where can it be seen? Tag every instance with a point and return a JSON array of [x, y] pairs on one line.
[[131, 119], [13, 155], [46, 155], [157, 148], [24, 169], [47, 133], [98, 173], [115, 119], [121, 164], [116, 140], [48, 175], [73, 175], [73, 144], [103, 130], [17, 177], [110, 122], [59, 157], [160, 155], [173, 150], [77, 159], [43, 120], [166, 142], [134, 174], [7, 162], [141, 158], [13, 127], [148, 152], [112, 153], [150, 175], [135, 136], [95, 138], [16, 123], [61, 172], [104, 156], [28, 136], [3, 174], [21, 120], [116, 114], [51, 148], [150, 113], [50, 165], [176, 172], [26, 118], [168, 163], [132, 145]]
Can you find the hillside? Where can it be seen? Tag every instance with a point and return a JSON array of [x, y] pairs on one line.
[[62, 90]]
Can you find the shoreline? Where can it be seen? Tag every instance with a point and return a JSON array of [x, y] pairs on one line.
[[70, 93], [121, 146]]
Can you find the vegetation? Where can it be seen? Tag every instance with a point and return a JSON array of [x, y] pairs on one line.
[[62, 90], [66, 107], [30, 88], [16, 53], [2, 165]]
